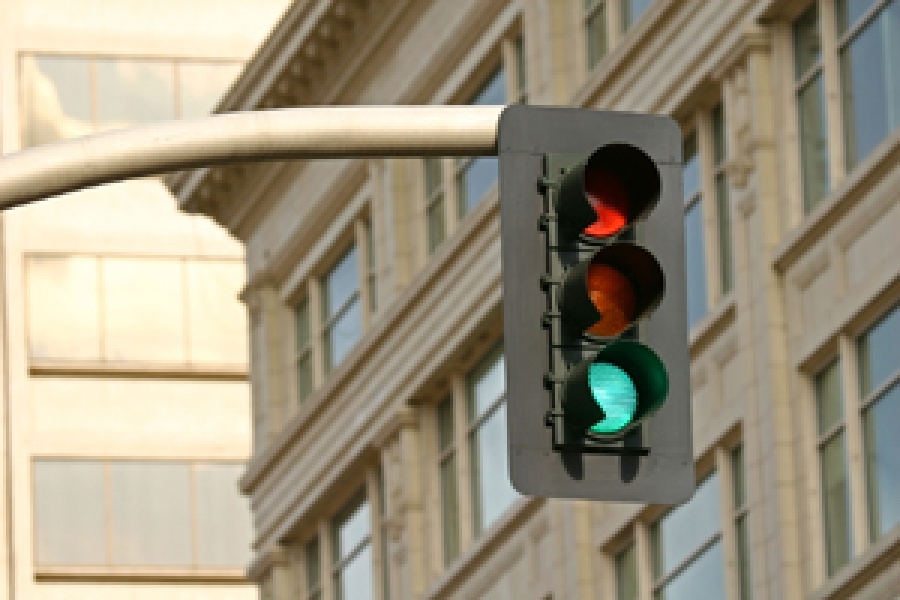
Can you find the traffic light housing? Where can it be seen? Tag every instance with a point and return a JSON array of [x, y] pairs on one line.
[[595, 309]]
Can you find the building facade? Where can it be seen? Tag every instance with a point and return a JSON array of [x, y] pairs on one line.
[[126, 417], [375, 309]]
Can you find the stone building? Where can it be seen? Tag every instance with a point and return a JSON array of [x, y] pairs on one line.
[[375, 309], [125, 402]]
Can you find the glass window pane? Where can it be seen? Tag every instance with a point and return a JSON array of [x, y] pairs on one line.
[[141, 320], [475, 180], [633, 9], [445, 423], [56, 98], [354, 581], [494, 90], [341, 282], [371, 268], [434, 176], [718, 127], [134, 91], [521, 70], [723, 216], [313, 570], [449, 509], [743, 556], [151, 513], [870, 81], [304, 377], [813, 142], [626, 574], [224, 529], [437, 228], [301, 325], [685, 528], [691, 171], [352, 528], [73, 333], [835, 501], [704, 578], [486, 383], [343, 334], [696, 264], [849, 12], [491, 489], [595, 31], [883, 462], [69, 515], [807, 44], [879, 352], [829, 400], [202, 85], [738, 489]]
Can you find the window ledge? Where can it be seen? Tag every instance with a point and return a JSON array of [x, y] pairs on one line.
[[490, 540], [712, 325], [863, 570], [148, 369], [141, 574], [834, 207]]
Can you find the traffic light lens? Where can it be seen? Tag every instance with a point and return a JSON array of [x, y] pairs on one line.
[[608, 196], [614, 392], [613, 296]]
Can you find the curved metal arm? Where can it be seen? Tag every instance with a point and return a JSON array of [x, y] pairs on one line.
[[292, 133]]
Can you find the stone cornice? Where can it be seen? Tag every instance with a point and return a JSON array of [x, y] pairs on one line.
[[294, 67]]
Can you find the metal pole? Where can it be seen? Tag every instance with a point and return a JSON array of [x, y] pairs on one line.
[[292, 133]]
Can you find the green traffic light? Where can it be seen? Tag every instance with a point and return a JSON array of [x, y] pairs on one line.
[[615, 393]]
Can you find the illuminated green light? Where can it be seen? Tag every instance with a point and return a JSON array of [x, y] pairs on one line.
[[615, 393]]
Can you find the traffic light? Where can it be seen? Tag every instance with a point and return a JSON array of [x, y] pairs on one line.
[[595, 309]]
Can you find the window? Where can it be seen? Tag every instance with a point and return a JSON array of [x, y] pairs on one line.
[[684, 556], [742, 540], [67, 96], [303, 366], [492, 492], [866, 66], [449, 491], [435, 218], [686, 543], [833, 467], [333, 312], [476, 176], [453, 187], [632, 11], [352, 544], [313, 570], [869, 55], [723, 204], [183, 515], [810, 92], [471, 467], [879, 372], [859, 418], [705, 177], [693, 233], [595, 31]]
